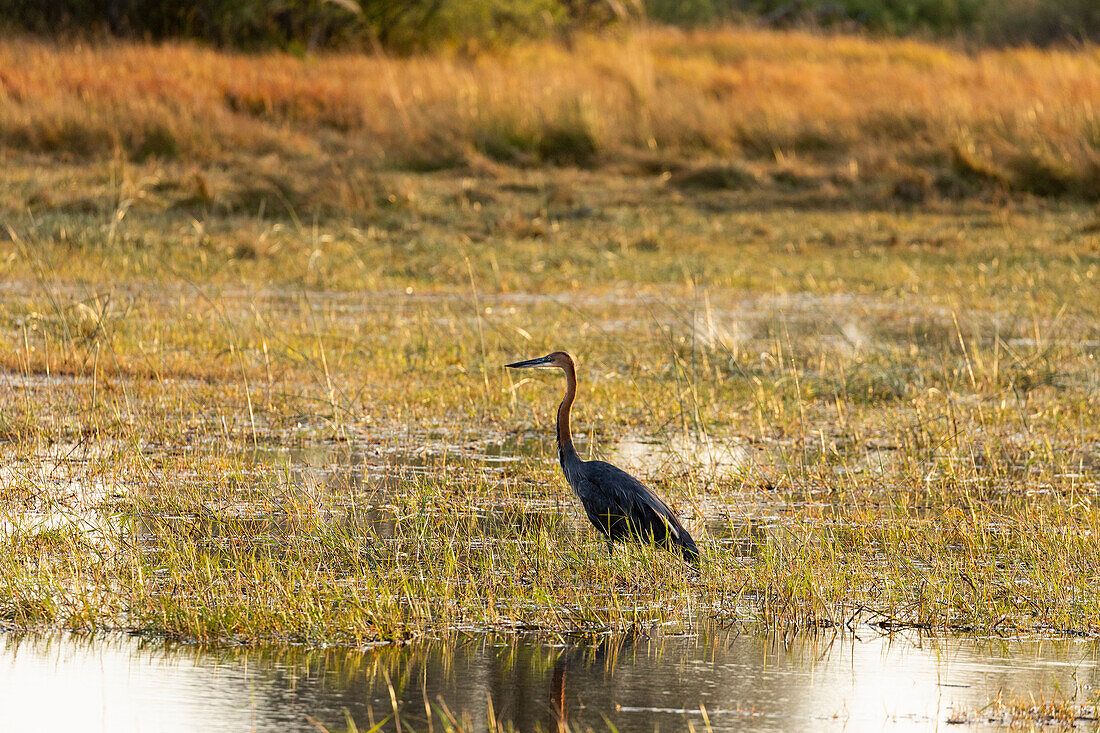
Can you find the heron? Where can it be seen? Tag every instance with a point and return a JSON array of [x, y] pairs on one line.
[[618, 505]]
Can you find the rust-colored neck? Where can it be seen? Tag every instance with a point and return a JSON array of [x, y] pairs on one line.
[[565, 437]]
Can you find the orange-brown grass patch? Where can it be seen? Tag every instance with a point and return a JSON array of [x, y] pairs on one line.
[[863, 109]]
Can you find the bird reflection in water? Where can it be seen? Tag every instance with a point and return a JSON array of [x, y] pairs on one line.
[[583, 656]]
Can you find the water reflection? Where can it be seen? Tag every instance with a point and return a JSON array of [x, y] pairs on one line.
[[638, 684]]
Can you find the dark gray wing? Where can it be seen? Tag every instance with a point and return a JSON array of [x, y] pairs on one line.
[[621, 507]]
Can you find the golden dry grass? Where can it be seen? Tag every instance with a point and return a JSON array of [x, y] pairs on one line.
[[794, 106]]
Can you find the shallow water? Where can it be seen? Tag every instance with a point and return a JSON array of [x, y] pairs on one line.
[[820, 681]]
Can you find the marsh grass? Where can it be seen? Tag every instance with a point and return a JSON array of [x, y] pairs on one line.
[[254, 396], [1056, 711], [296, 443]]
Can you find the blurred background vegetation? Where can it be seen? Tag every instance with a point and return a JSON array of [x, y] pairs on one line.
[[412, 25], [1036, 22]]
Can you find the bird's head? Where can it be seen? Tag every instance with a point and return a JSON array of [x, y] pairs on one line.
[[558, 359]]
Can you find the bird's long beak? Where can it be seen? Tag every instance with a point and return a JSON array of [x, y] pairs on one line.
[[541, 361]]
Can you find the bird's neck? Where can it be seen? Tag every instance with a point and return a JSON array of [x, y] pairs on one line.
[[565, 436]]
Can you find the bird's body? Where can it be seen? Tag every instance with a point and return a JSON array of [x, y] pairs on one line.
[[618, 505]]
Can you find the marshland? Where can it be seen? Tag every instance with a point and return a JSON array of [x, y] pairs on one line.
[[834, 298]]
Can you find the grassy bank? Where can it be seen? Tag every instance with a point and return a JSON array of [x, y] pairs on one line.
[[791, 112]]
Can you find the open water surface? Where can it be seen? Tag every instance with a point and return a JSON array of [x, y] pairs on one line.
[[810, 681]]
